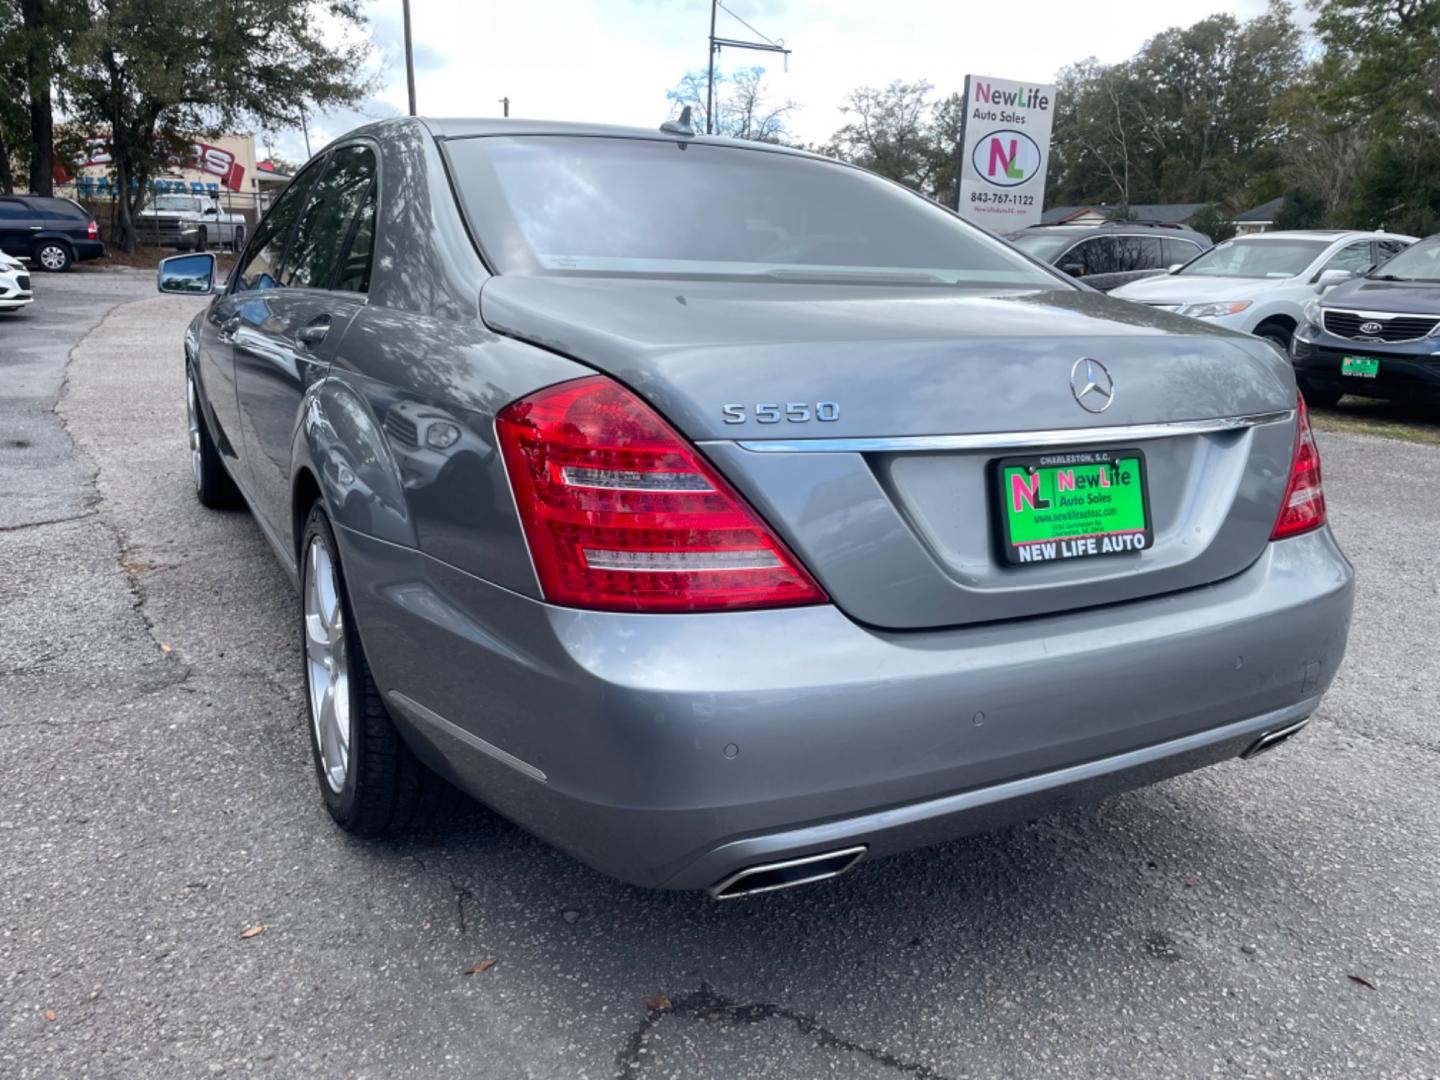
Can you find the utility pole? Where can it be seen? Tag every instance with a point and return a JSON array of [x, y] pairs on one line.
[[305, 128], [718, 43], [409, 58], [505, 104]]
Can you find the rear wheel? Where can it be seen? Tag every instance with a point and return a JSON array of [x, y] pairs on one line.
[[372, 784], [202, 239], [53, 255], [237, 239], [213, 486], [1278, 335]]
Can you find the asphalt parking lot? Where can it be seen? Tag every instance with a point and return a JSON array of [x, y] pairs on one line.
[[1276, 918]]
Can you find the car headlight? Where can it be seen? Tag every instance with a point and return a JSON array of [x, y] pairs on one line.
[[1313, 314], [1215, 310]]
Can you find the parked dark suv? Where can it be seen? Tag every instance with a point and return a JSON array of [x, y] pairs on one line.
[[1113, 253], [1375, 336], [51, 233]]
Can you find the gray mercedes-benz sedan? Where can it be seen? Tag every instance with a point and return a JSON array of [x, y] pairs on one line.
[[725, 515]]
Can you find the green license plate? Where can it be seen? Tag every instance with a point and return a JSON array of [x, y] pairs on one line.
[[1360, 367], [1074, 504]]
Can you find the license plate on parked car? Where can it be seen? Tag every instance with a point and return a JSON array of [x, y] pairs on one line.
[[1360, 367], [1073, 504]]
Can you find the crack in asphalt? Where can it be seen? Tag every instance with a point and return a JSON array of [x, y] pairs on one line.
[[22, 526], [461, 892], [705, 1004]]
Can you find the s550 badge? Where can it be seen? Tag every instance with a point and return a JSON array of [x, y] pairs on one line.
[[795, 412]]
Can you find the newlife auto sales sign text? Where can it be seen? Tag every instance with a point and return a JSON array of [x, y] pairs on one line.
[[1004, 152]]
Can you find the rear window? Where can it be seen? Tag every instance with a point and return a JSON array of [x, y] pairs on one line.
[[594, 205]]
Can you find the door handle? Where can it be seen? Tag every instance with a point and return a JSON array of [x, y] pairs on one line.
[[314, 334]]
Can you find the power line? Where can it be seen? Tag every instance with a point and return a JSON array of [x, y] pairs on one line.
[[765, 44], [747, 26]]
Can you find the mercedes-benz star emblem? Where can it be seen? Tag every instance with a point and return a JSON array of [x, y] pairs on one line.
[[1370, 328], [1092, 385]]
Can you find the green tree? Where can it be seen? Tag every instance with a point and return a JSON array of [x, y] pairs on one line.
[[1302, 209], [153, 74], [1185, 119], [889, 132], [1213, 222]]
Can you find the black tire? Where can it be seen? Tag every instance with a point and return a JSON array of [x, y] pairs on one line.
[[54, 256], [213, 485], [386, 790], [1279, 336], [202, 239], [1319, 396], [237, 239]]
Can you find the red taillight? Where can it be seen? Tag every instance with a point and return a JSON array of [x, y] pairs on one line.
[[93, 230], [1303, 508], [621, 513]]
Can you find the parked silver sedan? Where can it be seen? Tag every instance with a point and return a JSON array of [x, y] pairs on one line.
[[726, 515]]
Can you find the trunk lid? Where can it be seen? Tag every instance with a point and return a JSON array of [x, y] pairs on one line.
[[894, 515]]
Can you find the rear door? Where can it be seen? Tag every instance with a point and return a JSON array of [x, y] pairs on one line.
[[1179, 250], [1092, 260], [291, 339], [1132, 258], [18, 225]]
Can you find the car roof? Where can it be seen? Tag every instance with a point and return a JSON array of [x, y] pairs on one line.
[[1078, 227], [470, 127], [1324, 234]]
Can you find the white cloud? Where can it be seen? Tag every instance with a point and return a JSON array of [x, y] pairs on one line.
[[612, 60]]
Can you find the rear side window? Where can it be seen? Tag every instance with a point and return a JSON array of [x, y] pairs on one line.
[[61, 210], [1138, 253], [354, 273], [261, 267], [325, 225], [1179, 251], [551, 204]]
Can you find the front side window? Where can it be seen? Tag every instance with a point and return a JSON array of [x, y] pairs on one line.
[[1418, 262], [1099, 255], [1257, 258], [548, 204], [14, 211], [1352, 258], [261, 266], [354, 272], [325, 225]]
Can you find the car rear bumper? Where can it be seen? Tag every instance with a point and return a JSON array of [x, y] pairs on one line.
[[676, 750], [1408, 371], [87, 249]]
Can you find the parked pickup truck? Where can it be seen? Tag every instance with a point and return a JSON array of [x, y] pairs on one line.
[[190, 222]]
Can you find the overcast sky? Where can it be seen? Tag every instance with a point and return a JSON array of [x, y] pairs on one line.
[[612, 60]]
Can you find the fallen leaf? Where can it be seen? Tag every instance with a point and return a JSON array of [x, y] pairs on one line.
[[50, 1013], [1363, 981], [164, 647], [258, 928], [658, 1002], [480, 968], [1192, 881]]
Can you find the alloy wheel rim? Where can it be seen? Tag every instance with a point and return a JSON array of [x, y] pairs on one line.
[[52, 258], [327, 672], [192, 416]]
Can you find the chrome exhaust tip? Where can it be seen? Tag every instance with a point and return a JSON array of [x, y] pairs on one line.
[[1272, 739], [806, 870]]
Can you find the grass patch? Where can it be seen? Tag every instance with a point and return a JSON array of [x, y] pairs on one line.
[[1384, 419]]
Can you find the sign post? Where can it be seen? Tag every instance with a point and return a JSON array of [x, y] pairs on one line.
[[1004, 151]]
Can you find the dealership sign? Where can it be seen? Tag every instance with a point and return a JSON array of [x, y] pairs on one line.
[[202, 157], [1004, 151]]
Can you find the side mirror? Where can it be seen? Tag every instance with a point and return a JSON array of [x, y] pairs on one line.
[[1327, 278], [190, 274], [1173, 267], [211, 211]]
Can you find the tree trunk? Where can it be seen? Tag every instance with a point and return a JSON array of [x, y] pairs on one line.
[[7, 182], [39, 75]]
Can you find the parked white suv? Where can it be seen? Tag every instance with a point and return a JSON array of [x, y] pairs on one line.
[[14, 284], [1261, 283]]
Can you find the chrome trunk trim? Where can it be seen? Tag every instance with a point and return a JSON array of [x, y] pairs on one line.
[[1015, 440]]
